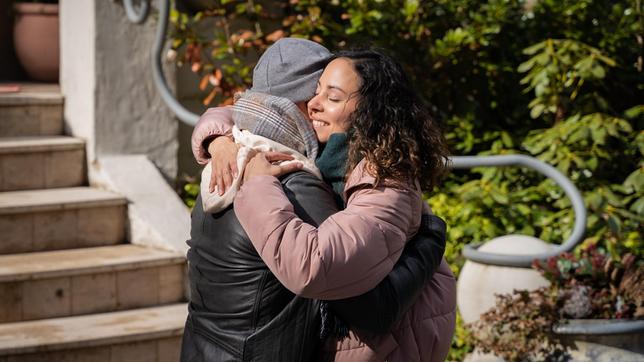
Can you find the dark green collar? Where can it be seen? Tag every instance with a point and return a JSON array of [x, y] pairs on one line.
[[332, 163]]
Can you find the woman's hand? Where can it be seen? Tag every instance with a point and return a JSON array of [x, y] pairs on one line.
[[224, 163], [260, 163]]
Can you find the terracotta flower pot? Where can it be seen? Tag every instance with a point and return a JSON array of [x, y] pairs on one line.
[[36, 40]]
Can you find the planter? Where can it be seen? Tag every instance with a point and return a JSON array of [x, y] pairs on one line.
[[596, 340], [603, 339], [36, 40]]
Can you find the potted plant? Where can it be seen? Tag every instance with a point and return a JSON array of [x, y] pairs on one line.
[[594, 304], [36, 38]]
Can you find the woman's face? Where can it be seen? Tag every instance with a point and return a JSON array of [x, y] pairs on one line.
[[335, 99]]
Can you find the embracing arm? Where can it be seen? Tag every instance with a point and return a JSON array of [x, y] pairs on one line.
[[214, 122], [207, 141], [347, 255], [377, 310], [393, 296]]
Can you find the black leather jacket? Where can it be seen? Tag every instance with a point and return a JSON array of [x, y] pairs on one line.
[[239, 311]]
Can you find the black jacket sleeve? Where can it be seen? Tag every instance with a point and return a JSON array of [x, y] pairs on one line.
[[376, 311], [312, 199]]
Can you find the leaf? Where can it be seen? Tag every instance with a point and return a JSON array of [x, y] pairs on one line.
[[635, 181], [276, 35], [526, 66], [534, 48], [598, 135], [411, 6], [598, 71], [638, 207], [204, 82], [594, 200], [537, 110], [500, 198], [507, 139], [246, 35], [210, 96], [564, 165], [523, 209], [634, 112], [615, 224], [375, 14], [592, 163], [608, 61]]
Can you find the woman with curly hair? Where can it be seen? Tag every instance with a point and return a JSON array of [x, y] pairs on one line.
[[395, 151]]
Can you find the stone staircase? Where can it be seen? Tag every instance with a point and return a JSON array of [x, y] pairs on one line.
[[71, 288]]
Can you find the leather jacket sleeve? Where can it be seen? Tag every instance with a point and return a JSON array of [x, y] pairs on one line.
[[312, 199], [376, 311]]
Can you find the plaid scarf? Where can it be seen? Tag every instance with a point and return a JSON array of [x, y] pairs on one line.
[[277, 119]]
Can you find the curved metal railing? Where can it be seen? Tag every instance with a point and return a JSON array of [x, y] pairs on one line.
[[157, 55], [459, 162], [137, 15], [525, 261]]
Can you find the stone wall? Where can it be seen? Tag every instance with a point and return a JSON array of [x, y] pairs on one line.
[[106, 78]]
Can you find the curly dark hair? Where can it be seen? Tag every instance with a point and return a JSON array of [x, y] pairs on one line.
[[391, 128]]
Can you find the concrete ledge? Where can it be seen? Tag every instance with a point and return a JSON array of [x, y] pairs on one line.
[[157, 216], [15, 202], [40, 144], [61, 263], [33, 94], [92, 330]]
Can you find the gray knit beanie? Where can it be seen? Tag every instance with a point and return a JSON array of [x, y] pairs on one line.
[[290, 69]]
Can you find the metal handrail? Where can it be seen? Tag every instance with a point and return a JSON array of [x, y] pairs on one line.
[[168, 98], [139, 14], [525, 261], [458, 162], [157, 71]]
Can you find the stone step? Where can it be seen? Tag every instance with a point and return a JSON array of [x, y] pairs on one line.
[[64, 218], [36, 110], [90, 280], [149, 334], [28, 163]]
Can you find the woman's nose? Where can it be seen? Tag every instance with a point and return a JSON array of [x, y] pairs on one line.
[[314, 104]]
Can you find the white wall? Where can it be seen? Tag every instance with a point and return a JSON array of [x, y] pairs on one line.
[[77, 64]]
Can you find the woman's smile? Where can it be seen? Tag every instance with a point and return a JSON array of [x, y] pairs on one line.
[[319, 124]]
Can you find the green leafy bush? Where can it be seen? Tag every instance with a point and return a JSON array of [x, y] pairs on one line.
[[561, 80]]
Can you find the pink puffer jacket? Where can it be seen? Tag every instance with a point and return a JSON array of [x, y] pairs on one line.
[[217, 121], [346, 256]]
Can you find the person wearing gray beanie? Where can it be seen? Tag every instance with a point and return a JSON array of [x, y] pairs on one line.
[[290, 68], [238, 310]]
